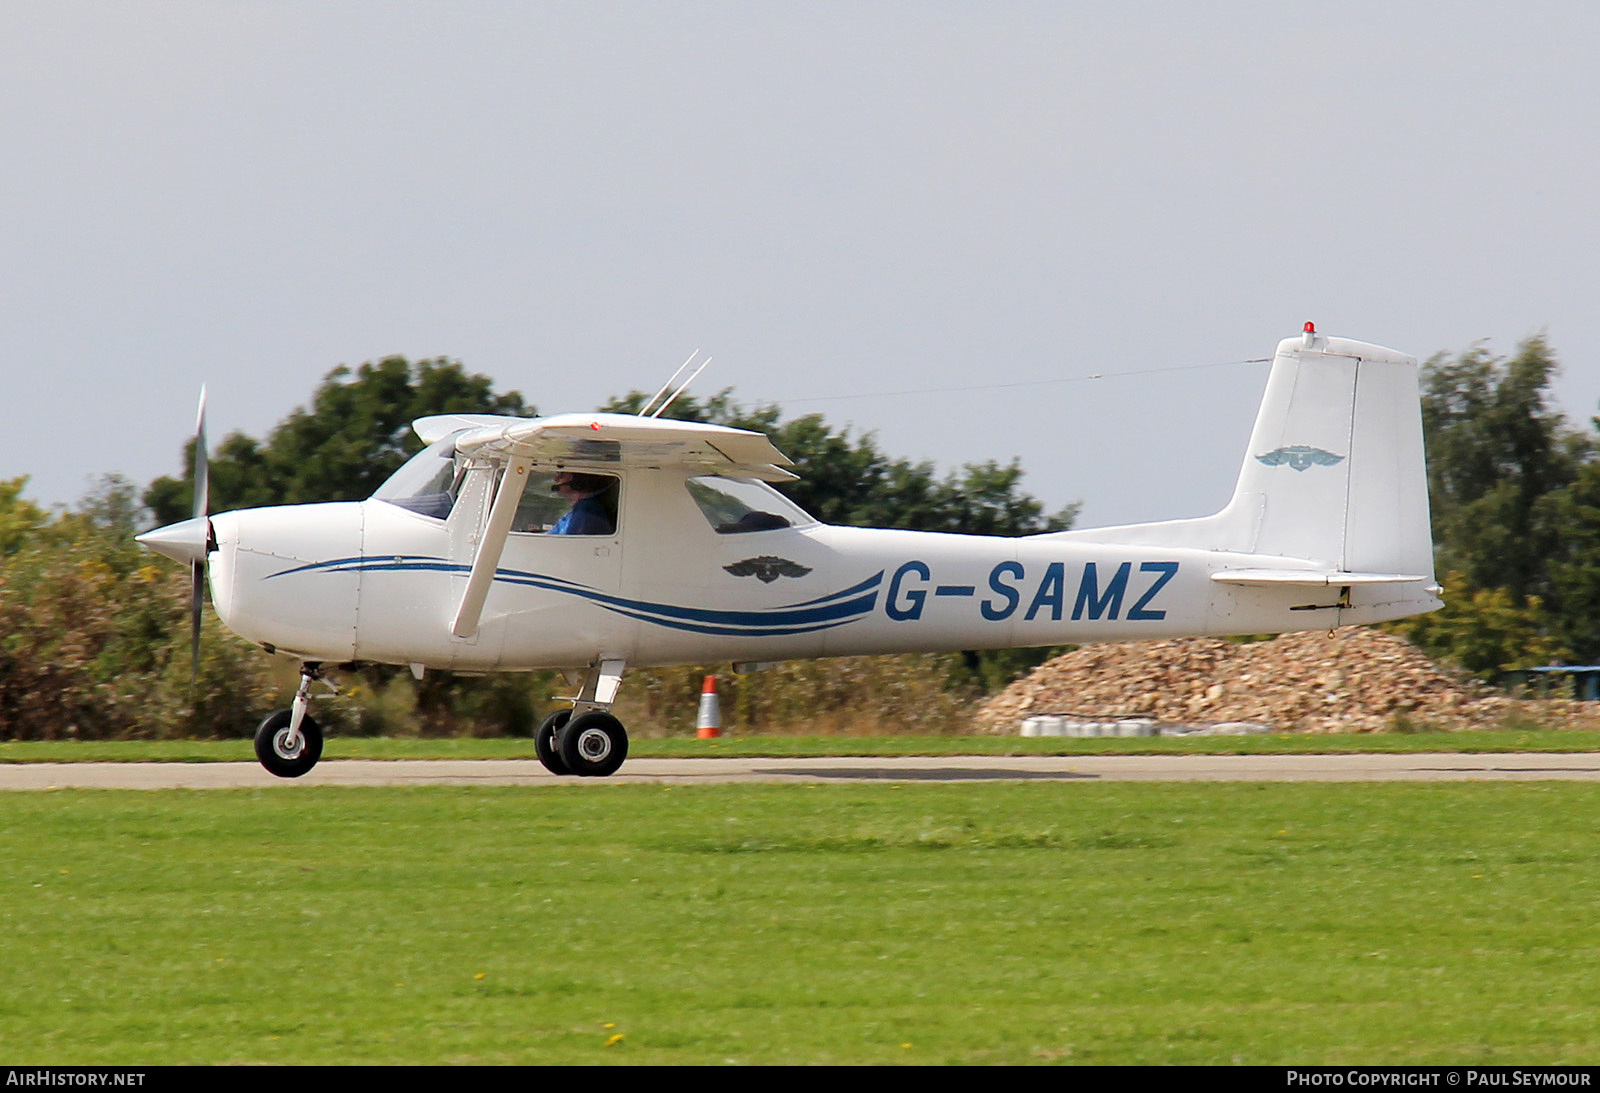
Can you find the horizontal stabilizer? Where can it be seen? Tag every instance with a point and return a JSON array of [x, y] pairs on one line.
[[1312, 578]]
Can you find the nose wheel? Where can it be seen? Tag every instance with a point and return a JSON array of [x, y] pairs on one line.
[[284, 753], [289, 742]]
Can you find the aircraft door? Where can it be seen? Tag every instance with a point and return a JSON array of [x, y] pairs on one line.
[[554, 597]]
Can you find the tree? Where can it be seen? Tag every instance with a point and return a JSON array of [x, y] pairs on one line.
[[19, 517], [1515, 498], [1484, 631], [1573, 515], [94, 637], [356, 433], [1495, 448]]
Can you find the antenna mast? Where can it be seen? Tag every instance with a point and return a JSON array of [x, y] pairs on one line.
[[644, 411], [683, 388]]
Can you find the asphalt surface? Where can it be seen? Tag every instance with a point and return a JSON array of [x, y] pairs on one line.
[[1441, 767]]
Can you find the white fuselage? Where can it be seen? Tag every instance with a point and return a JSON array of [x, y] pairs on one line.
[[371, 581]]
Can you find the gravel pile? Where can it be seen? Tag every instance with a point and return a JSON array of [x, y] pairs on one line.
[[1356, 679]]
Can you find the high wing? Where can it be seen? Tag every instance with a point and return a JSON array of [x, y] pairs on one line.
[[616, 440], [586, 440]]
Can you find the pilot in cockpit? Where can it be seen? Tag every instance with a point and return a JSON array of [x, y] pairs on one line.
[[588, 514]]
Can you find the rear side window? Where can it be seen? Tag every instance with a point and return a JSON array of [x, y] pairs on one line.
[[738, 506]]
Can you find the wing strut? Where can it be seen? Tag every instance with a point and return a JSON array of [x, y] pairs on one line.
[[487, 560]]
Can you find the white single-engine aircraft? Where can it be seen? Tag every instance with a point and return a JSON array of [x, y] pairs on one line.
[[462, 560]]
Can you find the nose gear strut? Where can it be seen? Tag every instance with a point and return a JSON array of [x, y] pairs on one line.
[[289, 742]]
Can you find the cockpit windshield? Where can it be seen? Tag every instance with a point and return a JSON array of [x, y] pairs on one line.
[[428, 482]]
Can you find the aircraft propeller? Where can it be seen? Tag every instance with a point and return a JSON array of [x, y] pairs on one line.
[[190, 540]]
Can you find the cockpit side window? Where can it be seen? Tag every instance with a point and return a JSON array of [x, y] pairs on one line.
[[429, 482], [569, 503], [736, 506]]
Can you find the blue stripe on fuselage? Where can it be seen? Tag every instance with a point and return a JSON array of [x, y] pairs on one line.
[[822, 613]]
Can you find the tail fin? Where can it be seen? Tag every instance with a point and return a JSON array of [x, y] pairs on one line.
[[1335, 473]]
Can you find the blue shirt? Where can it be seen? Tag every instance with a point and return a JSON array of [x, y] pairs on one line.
[[586, 517]]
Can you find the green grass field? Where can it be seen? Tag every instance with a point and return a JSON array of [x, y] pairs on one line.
[[916, 923]]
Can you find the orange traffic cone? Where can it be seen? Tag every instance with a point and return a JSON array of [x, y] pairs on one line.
[[709, 723]]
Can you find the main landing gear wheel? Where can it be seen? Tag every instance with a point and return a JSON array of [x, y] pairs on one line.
[[275, 751], [593, 744], [545, 742]]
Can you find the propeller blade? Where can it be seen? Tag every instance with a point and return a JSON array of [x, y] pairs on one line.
[[197, 568], [197, 572], [202, 462]]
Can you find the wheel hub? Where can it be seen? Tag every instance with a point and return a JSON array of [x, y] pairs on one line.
[[280, 744], [594, 745]]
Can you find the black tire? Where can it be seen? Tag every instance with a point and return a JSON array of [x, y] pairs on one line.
[[273, 756], [593, 744], [545, 742]]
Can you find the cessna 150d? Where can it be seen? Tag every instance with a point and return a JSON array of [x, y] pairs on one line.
[[465, 558]]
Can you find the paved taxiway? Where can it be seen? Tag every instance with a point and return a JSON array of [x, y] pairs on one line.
[[1103, 768]]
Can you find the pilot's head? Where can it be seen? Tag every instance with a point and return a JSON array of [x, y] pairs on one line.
[[574, 486]]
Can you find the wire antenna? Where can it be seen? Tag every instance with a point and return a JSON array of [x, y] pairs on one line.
[[644, 411], [682, 389]]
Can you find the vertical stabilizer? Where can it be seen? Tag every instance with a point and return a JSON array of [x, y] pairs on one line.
[[1334, 475], [1334, 472]]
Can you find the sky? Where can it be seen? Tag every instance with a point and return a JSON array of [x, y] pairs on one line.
[[1053, 232]]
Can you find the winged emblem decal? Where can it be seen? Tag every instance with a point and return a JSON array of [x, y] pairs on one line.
[[1299, 457], [767, 568]]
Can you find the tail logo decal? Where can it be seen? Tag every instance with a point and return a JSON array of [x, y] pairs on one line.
[[1299, 457]]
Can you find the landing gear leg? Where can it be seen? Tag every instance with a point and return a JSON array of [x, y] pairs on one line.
[[588, 741], [289, 742]]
